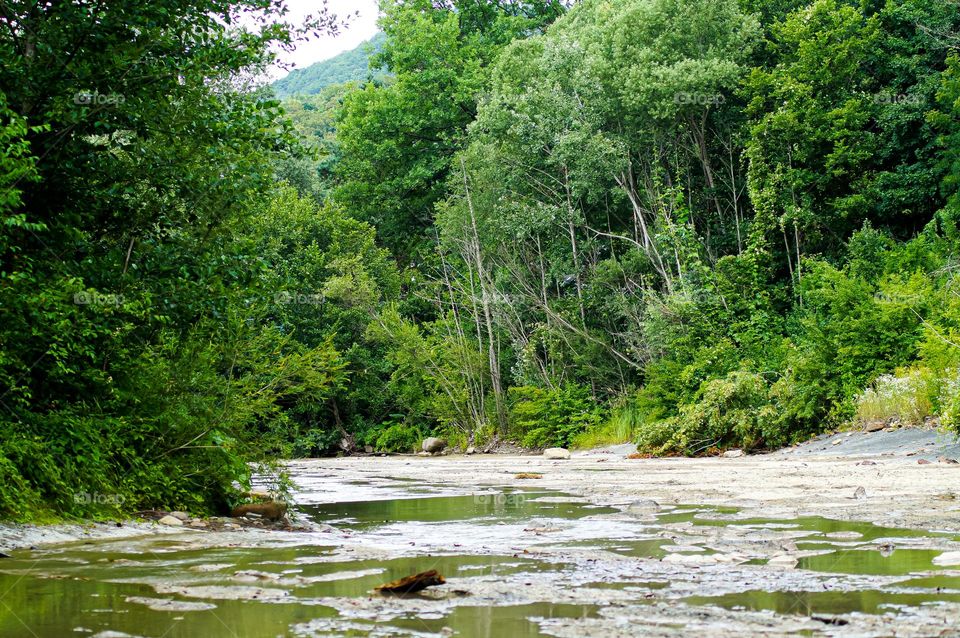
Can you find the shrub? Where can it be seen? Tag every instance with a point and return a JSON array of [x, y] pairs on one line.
[[734, 411], [551, 418], [399, 437], [909, 398]]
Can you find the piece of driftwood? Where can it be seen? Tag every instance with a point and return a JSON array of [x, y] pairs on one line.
[[412, 584]]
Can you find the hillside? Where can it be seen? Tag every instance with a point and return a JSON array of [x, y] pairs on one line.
[[348, 66]]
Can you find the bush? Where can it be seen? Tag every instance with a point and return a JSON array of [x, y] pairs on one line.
[[551, 418], [907, 398], [399, 437]]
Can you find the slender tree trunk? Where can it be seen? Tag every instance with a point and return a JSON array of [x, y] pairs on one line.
[[487, 313]]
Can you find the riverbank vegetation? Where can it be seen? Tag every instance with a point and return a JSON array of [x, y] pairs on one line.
[[695, 224]]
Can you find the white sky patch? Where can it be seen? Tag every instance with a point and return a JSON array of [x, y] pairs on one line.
[[323, 47]]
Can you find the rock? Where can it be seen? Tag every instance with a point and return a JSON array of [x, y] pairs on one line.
[[733, 454], [783, 561], [844, 536], [171, 521], [645, 506], [860, 494], [433, 445], [837, 442], [368, 449], [272, 511], [165, 604], [944, 459], [528, 475], [867, 463], [874, 426], [197, 523], [424, 454], [556, 453], [947, 559], [923, 462], [471, 450], [181, 515]]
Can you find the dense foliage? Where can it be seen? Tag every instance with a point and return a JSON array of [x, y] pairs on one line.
[[697, 224]]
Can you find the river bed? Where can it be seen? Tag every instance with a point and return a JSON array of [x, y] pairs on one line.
[[520, 558]]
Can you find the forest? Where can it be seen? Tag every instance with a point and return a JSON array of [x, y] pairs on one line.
[[698, 225]]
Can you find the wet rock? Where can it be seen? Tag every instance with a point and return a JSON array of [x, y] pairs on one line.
[[528, 475], [874, 426], [642, 507], [556, 453], [923, 462], [733, 454], [867, 463], [197, 523], [860, 494], [471, 450], [171, 521], [166, 604], [368, 449], [433, 445], [183, 516], [947, 559], [783, 561], [223, 592], [424, 454], [703, 559], [844, 536], [272, 510], [944, 459]]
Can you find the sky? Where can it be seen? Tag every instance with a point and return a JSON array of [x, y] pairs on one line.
[[360, 29]]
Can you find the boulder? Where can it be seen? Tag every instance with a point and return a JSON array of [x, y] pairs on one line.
[[181, 515], [471, 450], [433, 445], [733, 454], [171, 521], [556, 453], [642, 507]]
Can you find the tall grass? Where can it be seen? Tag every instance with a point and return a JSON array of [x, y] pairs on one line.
[[619, 428], [907, 398]]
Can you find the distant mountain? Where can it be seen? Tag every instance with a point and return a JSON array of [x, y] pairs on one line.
[[349, 66]]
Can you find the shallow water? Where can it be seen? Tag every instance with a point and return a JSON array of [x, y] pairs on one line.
[[513, 560]]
